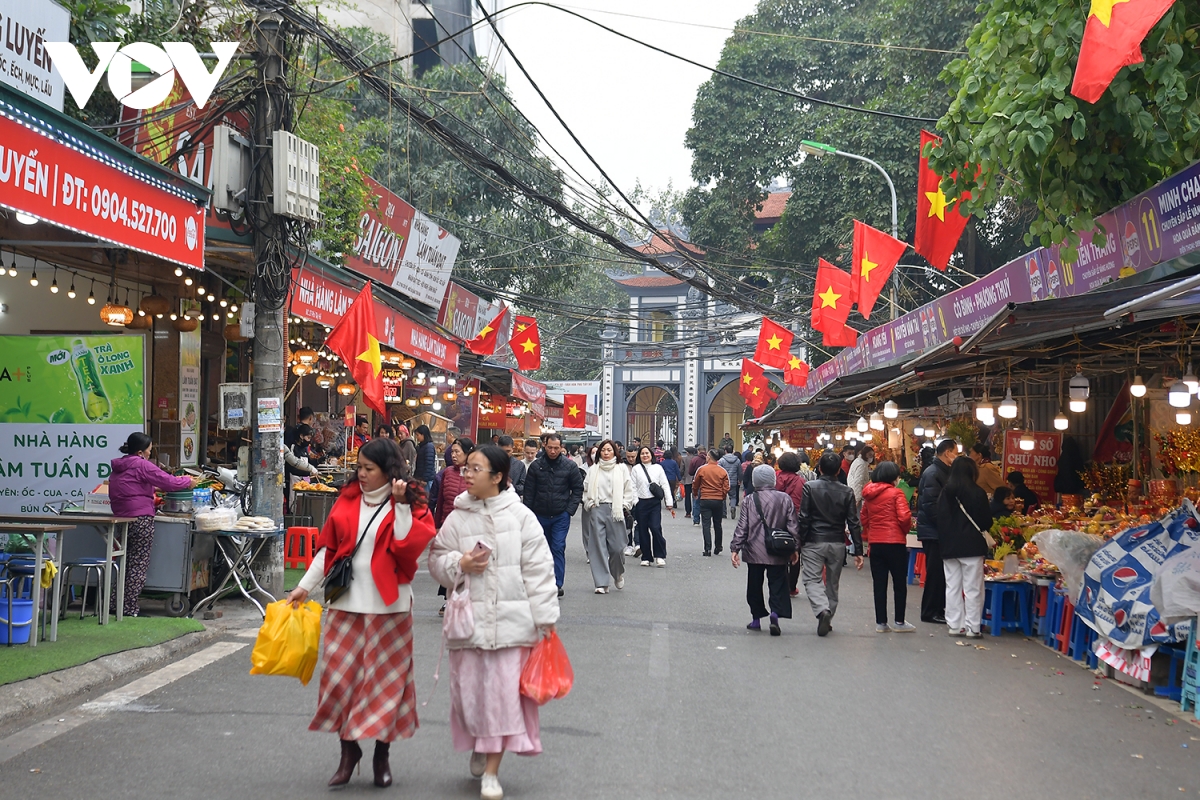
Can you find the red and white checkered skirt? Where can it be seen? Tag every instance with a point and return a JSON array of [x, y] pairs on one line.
[[367, 687]]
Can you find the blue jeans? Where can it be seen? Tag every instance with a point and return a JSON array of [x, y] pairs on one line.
[[556, 528]]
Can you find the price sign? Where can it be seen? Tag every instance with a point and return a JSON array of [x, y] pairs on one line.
[[69, 188], [1039, 465]]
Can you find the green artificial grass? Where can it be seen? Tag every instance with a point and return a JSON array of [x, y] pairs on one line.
[[291, 577], [81, 641]]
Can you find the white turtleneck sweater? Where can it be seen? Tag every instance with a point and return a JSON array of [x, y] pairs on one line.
[[362, 597]]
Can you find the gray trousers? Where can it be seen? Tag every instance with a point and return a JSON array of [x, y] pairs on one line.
[[585, 519], [606, 544], [815, 557]]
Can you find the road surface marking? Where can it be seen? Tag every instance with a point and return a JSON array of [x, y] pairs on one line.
[[660, 659], [46, 730]]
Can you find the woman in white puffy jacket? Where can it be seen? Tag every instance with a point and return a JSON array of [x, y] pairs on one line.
[[496, 544]]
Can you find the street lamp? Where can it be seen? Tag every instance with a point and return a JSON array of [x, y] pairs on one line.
[[820, 149]]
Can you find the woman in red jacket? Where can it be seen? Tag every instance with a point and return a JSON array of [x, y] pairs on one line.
[[367, 690], [886, 521]]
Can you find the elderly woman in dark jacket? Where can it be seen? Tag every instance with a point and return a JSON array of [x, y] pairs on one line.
[[963, 520], [765, 509]]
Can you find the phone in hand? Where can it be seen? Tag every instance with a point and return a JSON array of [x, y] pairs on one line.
[[481, 549]]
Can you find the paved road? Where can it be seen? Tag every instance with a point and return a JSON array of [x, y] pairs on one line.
[[673, 699]]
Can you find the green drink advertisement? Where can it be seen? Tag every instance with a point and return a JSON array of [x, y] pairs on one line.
[[66, 404]]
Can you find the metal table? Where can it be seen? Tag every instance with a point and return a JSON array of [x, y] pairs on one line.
[[314, 505], [115, 531], [239, 549], [39, 531]]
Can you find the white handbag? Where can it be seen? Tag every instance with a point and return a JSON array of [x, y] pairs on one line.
[[458, 625]]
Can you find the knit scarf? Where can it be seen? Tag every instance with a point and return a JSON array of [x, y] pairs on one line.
[[609, 468]]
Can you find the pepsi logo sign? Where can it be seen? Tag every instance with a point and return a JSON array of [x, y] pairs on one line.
[[1159, 629], [1120, 617], [1125, 575]]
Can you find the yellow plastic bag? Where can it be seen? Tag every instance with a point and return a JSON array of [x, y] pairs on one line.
[[49, 570], [288, 641]]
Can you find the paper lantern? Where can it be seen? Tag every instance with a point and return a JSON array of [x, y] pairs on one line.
[[185, 324], [116, 315], [346, 389], [155, 304]]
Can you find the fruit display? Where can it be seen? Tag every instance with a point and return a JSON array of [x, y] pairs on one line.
[[312, 486]]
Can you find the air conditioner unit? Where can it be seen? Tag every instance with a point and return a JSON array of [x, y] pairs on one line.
[[297, 178]]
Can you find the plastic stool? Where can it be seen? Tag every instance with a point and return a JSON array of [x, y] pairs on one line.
[[88, 565], [919, 567], [1041, 601], [299, 547], [1063, 637], [21, 587], [1079, 646], [1055, 602], [16, 614], [912, 565], [1174, 687], [1000, 615]]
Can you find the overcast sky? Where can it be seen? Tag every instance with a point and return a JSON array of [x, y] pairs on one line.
[[628, 105]]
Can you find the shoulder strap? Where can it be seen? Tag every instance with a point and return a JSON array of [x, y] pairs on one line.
[[758, 506], [649, 480], [968, 516], [363, 535]]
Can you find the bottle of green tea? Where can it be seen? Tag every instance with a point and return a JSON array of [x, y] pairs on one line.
[[96, 404]]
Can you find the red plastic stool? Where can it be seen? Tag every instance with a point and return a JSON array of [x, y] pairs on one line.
[[299, 547], [919, 569], [1063, 640]]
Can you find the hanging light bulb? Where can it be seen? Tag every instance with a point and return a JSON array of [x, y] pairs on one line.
[[179, 272], [918, 430], [71, 291], [1079, 389], [1060, 422], [985, 414], [1190, 379], [866, 437], [33, 281], [233, 308], [1179, 396], [1137, 388], [92, 294], [1183, 418], [862, 425], [1008, 406], [1027, 441], [12, 271], [891, 410], [54, 282], [847, 434], [876, 423], [187, 281]]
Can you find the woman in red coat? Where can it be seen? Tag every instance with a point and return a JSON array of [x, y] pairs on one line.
[[886, 521], [367, 688]]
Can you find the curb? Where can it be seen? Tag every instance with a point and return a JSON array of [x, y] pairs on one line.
[[32, 694]]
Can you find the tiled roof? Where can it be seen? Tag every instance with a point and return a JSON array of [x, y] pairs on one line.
[[772, 207], [649, 281]]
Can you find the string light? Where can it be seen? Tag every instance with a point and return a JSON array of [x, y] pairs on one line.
[[12, 271], [179, 272], [33, 281], [92, 293], [54, 282], [71, 291]]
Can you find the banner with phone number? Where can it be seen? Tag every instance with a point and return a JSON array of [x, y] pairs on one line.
[[68, 188]]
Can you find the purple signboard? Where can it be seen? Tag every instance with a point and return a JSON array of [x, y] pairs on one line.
[[1156, 226]]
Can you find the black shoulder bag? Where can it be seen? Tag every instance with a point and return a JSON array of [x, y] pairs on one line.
[[780, 541], [337, 580], [656, 491]]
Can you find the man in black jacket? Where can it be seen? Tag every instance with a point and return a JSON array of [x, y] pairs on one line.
[[516, 467], [553, 489], [933, 479], [827, 511]]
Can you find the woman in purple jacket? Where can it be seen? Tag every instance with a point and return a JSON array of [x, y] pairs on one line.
[[131, 492]]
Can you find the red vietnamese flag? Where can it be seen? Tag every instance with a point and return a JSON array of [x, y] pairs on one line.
[[1112, 39], [353, 340], [574, 410], [875, 255], [526, 343], [774, 342], [795, 373], [752, 375], [762, 396], [939, 222], [484, 344], [845, 337], [831, 297]]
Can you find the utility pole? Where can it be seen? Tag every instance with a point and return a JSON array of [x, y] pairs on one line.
[[272, 111]]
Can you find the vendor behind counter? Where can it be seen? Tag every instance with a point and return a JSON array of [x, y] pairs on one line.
[[131, 492]]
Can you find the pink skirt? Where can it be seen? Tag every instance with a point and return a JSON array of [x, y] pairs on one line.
[[367, 688], [488, 713]]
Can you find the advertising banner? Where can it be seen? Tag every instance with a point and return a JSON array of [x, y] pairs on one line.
[[1158, 225], [319, 299], [68, 188], [1039, 465], [24, 63], [531, 391], [66, 404], [402, 248], [189, 397]]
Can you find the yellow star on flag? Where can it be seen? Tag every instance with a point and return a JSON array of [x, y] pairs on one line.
[[747, 379], [486, 330], [794, 363], [528, 345], [866, 267], [521, 326], [938, 204], [573, 411], [371, 355], [829, 298], [774, 341], [754, 391], [1102, 10]]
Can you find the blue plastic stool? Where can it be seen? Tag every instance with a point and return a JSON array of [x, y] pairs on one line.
[[912, 565], [1008, 606], [1055, 605], [1080, 647], [1174, 687]]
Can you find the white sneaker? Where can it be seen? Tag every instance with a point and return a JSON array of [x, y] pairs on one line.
[[660, 562], [478, 763], [645, 563], [490, 790], [882, 628], [957, 631], [621, 581], [973, 634], [902, 627], [601, 590], [629, 550]]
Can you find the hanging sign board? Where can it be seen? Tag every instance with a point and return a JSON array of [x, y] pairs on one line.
[[24, 63], [66, 404], [1039, 465]]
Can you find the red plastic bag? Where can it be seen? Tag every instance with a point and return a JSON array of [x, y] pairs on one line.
[[547, 674]]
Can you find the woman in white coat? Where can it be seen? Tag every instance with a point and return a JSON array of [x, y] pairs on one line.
[[648, 510], [607, 497], [497, 544]]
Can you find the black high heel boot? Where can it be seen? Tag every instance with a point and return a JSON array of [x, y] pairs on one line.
[[351, 755], [383, 770]]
